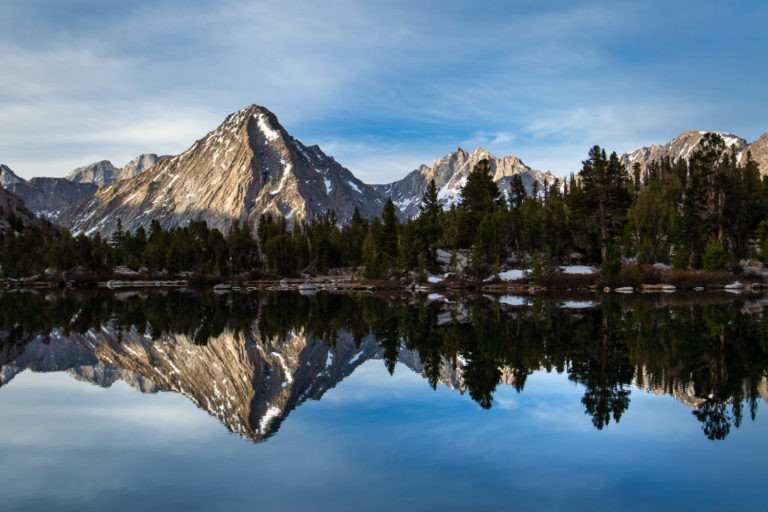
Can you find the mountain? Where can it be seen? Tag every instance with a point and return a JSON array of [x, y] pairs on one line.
[[48, 197], [105, 173], [13, 213], [685, 144], [246, 167], [100, 173], [759, 150], [138, 165], [7, 176], [450, 174]]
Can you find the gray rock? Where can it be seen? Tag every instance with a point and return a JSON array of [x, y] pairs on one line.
[[247, 167], [684, 145], [48, 197], [450, 174]]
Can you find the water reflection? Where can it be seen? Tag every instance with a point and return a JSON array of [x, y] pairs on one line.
[[250, 359]]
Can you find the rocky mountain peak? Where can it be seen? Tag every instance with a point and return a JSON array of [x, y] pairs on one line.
[[99, 173], [46, 197], [450, 174], [7, 176], [684, 145], [138, 165], [105, 173], [246, 167]]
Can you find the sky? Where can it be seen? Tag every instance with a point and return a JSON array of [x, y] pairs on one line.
[[383, 86]]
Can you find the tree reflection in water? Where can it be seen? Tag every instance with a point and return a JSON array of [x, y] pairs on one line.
[[713, 357]]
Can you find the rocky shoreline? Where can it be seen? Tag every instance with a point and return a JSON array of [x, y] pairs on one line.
[[352, 281]]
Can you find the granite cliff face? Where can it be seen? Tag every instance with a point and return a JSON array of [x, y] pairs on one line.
[[247, 167], [138, 165], [450, 174], [105, 173], [100, 173], [684, 145]]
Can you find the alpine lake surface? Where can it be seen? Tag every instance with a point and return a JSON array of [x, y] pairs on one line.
[[190, 400]]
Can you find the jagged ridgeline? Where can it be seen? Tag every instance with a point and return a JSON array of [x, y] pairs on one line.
[[250, 359], [105, 173], [247, 167], [684, 146], [49, 197], [450, 175]]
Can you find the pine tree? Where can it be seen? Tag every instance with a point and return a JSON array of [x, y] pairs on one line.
[[118, 235], [517, 192], [428, 225], [479, 196], [386, 239], [601, 200]]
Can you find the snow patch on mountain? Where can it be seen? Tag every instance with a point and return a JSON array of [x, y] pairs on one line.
[[268, 132], [231, 175], [450, 174]]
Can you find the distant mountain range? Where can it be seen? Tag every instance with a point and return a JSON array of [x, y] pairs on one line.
[[104, 173], [250, 166], [684, 145], [49, 197], [247, 167], [450, 174]]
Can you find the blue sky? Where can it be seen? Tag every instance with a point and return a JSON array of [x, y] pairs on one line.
[[381, 86]]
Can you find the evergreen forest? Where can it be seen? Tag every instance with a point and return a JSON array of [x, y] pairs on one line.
[[707, 212]]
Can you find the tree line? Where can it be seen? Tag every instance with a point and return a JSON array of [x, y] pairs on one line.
[[707, 212]]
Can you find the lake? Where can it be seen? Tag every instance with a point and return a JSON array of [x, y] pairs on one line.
[[282, 401]]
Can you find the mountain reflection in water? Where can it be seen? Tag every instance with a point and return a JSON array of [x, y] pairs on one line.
[[250, 359]]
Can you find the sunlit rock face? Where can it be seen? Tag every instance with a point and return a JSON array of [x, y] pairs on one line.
[[450, 174], [685, 145], [105, 173], [247, 167]]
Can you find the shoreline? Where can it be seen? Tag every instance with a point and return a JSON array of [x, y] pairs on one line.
[[351, 282]]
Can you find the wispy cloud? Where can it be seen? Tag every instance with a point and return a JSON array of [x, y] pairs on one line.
[[388, 84]]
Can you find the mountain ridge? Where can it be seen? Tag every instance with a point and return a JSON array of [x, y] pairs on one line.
[[246, 167], [684, 145], [450, 174], [279, 175], [48, 197], [104, 172]]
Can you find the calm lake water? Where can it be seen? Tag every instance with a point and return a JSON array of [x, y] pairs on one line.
[[281, 401]]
